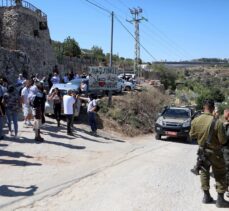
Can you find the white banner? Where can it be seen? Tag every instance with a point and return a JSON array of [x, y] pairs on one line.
[[103, 78]]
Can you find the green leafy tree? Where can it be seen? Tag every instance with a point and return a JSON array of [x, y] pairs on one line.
[[167, 77], [71, 47], [98, 53]]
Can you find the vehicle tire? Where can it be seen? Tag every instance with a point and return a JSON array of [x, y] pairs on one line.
[[158, 136], [128, 88]]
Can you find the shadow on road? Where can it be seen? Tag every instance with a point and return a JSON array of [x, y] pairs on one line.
[[25, 140], [3, 145], [15, 191], [4, 153], [100, 136], [18, 163]]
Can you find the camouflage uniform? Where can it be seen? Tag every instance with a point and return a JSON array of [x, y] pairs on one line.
[[200, 130], [226, 153]]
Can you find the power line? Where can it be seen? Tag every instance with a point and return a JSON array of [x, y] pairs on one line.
[[98, 6], [178, 49], [134, 38], [107, 11], [167, 43]]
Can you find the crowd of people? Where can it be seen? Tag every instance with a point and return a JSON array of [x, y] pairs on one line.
[[29, 96]]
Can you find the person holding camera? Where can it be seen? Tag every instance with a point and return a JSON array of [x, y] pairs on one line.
[[57, 101]]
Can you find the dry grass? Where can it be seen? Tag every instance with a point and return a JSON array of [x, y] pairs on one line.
[[134, 113]]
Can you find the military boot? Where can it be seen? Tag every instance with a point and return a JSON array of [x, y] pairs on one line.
[[221, 202], [207, 197]]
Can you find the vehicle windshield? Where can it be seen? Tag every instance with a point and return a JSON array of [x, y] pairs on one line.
[[176, 113]]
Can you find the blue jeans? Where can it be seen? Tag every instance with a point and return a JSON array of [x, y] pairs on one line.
[[92, 121], [1, 125], [12, 116]]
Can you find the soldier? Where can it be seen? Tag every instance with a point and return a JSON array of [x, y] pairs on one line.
[[200, 131], [226, 147]]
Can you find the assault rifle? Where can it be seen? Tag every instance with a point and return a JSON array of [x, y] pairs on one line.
[[202, 159], [202, 162]]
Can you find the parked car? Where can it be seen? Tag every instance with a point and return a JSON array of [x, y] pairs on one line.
[[120, 86], [77, 82], [174, 122], [127, 85], [63, 90]]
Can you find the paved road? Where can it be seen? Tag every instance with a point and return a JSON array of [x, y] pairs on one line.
[[104, 173]]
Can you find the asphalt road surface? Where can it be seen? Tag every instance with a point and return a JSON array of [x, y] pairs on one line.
[[104, 173]]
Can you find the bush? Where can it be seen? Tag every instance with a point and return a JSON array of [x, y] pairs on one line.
[[135, 113]]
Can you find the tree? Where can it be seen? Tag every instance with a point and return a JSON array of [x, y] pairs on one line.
[[167, 76], [71, 47], [98, 53]]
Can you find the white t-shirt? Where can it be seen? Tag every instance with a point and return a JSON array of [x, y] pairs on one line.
[[55, 79], [91, 105], [25, 95], [68, 102]]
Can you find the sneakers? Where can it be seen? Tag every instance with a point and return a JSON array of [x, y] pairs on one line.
[[28, 124]]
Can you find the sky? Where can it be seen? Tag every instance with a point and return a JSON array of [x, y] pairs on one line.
[[175, 30]]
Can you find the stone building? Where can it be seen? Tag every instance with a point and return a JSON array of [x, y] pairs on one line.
[[25, 43]]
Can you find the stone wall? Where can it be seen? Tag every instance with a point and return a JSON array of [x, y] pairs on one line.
[[24, 30], [13, 62]]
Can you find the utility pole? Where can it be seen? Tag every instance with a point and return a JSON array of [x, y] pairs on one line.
[[135, 12], [111, 55], [112, 35]]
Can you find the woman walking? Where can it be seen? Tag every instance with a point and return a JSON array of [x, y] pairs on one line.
[[57, 101], [12, 106]]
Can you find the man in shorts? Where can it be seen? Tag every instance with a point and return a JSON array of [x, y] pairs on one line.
[[25, 103]]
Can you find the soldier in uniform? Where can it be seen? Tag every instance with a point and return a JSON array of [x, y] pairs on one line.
[[200, 130], [226, 147]]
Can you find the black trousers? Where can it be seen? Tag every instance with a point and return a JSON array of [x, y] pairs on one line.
[[57, 111], [69, 122]]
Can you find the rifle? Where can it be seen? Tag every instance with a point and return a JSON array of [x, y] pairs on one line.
[[202, 160]]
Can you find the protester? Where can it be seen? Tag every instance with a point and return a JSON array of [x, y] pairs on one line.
[[84, 87], [11, 101], [20, 79], [50, 81], [91, 110], [36, 98], [69, 101], [66, 78], [1, 124], [43, 104], [55, 79], [25, 104], [57, 100]]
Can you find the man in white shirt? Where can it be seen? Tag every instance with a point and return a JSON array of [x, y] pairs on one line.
[[25, 103], [55, 79], [69, 101]]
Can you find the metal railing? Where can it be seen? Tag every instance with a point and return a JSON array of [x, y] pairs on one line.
[[22, 3]]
